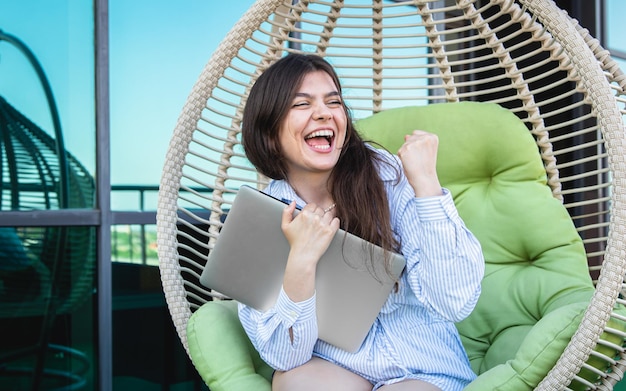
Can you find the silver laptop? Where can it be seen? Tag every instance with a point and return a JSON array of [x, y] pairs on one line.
[[249, 259]]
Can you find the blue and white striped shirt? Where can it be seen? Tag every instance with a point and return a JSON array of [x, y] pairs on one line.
[[414, 336]]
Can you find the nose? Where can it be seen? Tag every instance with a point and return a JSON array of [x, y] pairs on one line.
[[322, 112]]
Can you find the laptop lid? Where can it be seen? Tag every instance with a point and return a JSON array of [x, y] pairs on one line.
[[249, 259]]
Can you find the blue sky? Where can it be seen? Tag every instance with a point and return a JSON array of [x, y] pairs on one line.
[[158, 49], [616, 34], [46, 29]]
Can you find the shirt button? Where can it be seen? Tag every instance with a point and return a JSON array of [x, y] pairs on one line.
[[293, 314]]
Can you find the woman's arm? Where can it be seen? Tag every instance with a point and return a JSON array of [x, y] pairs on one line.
[[445, 265], [284, 335], [309, 234]]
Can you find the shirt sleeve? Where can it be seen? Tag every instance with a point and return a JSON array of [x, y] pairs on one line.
[[445, 264], [284, 335]]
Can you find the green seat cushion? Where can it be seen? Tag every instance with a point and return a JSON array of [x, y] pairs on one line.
[[543, 344], [221, 351]]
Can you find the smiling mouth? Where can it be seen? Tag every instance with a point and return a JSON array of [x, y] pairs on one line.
[[321, 139]]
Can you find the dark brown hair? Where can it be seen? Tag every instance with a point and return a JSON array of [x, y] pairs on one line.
[[354, 183]]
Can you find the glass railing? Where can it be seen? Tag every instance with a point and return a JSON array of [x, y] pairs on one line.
[[133, 231]]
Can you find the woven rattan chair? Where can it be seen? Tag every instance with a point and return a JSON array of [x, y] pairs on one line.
[[527, 56]]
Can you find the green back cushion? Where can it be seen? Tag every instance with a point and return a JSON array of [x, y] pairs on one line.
[[536, 282]]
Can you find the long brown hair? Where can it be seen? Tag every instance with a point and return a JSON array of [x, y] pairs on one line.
[[354, 183]]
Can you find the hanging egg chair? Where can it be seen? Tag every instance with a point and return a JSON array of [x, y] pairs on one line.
[[519, 84]]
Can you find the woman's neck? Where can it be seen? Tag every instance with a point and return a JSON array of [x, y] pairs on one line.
[[312, 189]]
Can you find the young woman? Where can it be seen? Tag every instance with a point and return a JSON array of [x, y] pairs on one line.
[[297, 131]]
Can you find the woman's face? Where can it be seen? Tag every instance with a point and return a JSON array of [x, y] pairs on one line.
[[314, 130]]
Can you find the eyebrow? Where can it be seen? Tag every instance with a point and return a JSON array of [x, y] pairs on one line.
[[327, 95]]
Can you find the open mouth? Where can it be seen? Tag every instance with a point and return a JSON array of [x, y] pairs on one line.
[[320, 139]]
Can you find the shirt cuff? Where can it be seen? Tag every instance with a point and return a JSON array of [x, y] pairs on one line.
[[292, 312], [436, 207]]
